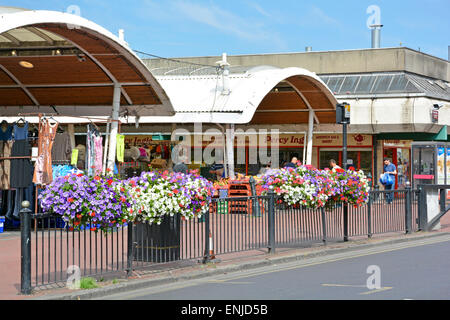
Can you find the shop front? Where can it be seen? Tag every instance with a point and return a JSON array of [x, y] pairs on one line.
[[248, 160], [399, 151]]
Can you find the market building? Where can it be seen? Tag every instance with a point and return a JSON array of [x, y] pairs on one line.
[[397, 96], [60, 68]]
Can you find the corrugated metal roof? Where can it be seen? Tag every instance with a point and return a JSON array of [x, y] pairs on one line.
[[197, 96], [386, 84]]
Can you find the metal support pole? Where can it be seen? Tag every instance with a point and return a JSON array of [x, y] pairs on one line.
[[207, 256], [310, 138], [375, 163], [344, 148], [423, 215], [408, 211], [114, 129], [25, 232], [324, 226], [345, 222], [256, 210], [130, 248], [230, 150], [369, 216], [442, 198], [271, 221]]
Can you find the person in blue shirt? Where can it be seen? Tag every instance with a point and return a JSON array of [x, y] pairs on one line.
[[218, 170], [392, 171], [293, 164]]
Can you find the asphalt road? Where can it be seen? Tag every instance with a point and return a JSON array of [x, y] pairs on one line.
[[418, 270]]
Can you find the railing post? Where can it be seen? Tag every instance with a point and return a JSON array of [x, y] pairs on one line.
[[324, 226], [256, 210], [369, 215], [423, 215], [345, 221], [408, 211], [207, 256], [442, 198], [271, 221], [130, 249], [25, 232]]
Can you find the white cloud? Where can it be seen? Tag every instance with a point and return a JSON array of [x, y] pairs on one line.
[[259, 9], [227, 22]]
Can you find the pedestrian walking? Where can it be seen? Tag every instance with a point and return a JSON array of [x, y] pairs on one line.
[[389, 169]]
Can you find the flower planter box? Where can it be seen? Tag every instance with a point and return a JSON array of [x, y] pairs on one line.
[[157, 243]]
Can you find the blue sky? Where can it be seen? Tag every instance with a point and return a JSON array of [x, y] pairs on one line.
[[178, 28]]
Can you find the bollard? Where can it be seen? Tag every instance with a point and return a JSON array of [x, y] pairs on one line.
[[25, 231], [408, 210], [423, 215]]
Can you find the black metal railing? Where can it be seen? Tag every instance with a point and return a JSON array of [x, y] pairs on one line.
[[56, 248], [232, 225]]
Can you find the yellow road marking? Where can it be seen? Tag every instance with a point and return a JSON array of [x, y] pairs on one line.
[[377, 290]]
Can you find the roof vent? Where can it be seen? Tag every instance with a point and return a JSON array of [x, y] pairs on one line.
[[225, 67]]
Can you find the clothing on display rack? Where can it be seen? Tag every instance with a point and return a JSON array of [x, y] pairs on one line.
[[94, 150], [43, 168], [21, 168], [62, 147], [20, 133], [5, 133], [5, 165], [81, 161], [120, 148]]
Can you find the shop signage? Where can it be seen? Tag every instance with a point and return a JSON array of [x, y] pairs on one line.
[[137, 141], [397, 143], [335, 140]]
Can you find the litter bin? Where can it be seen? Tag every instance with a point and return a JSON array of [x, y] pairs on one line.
[[2, 224], [158, 243]]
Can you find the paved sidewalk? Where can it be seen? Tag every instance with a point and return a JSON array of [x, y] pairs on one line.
[[10, 265]]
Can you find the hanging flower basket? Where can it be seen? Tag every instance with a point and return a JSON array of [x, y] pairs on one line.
[[100, 202], [312, 188]]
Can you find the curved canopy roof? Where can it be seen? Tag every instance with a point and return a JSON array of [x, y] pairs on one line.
[[63, 62], [258, 95]]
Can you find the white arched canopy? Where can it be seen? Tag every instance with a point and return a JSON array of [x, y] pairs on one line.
[[259, 95], [58, 61]]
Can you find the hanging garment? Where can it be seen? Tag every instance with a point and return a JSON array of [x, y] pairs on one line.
[[21, 168], [90, 150], [98, 148], [21, 133], [62, 147], [18, 202], [43, 167], [5, 165], [81, 162], [120, 148], [6, 134], [10, 204], [74, 157]]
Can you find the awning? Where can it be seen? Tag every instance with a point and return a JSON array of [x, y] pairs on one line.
[[57, 62], [257, 95]]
